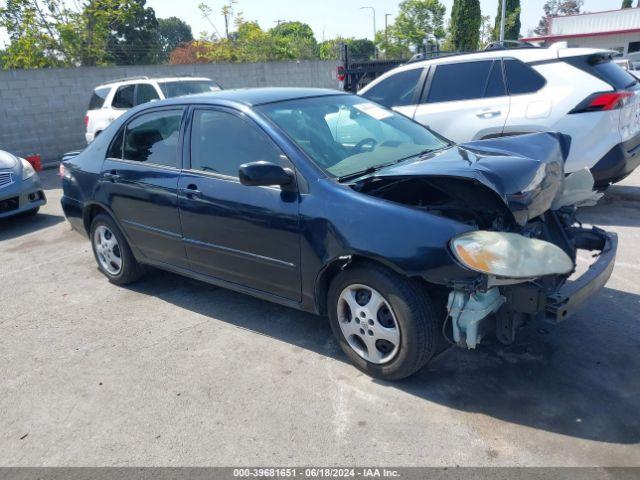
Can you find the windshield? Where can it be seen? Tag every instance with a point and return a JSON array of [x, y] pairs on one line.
[[180, 88], [345, 134]]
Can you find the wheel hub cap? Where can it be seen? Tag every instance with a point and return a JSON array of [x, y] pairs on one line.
[[368, 323], [107, 250]]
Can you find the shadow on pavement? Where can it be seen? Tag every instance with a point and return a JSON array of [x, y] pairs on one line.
[[13, 227], [580, 378], [620, 206]]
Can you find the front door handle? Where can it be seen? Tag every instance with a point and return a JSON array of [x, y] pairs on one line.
[[191, 191], [112, 176], [488, 113]]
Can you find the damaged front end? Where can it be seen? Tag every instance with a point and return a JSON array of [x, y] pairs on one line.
[[515, 261]]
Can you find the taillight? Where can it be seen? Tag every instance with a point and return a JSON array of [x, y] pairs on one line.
[[86, 120], [599, 102], [62, 171]]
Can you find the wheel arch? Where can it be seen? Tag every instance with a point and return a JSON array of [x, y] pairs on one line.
[[343, 262]]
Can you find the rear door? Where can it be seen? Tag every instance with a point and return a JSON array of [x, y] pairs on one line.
[[532, 109], [139, 182], [465, 101], [400, 91], [242, 234]]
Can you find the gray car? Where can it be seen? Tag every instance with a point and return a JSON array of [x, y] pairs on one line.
[[20, 188]]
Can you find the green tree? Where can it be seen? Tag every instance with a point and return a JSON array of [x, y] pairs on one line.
[[418, 22], [135, 41], [556, 8], [512, 21], [362, 48], [47, 33], [627, 4], [464, 28], [293, 41], [390, 46], [172, 32]]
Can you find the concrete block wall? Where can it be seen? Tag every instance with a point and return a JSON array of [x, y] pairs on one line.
[[42, 111]]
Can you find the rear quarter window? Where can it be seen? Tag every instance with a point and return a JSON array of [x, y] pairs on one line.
[[98, 98], [521, 78]]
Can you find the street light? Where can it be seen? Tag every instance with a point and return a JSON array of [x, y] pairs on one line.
[[374, 20], [386, 27]]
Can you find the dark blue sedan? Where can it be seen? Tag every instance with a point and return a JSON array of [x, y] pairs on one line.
[[333, 204]]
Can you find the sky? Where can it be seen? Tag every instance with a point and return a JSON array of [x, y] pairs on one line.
[[331, 18]]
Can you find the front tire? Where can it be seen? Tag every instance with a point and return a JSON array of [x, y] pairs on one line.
[[112, 252], [385, 323]]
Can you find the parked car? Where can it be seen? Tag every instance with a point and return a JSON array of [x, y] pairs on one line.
[[630, 66], [577, 91], [112, 99], [388, 233], [20, 189]]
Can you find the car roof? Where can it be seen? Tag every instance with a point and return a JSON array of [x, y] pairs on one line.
[[526, 55], [129, 81], [252, 96]]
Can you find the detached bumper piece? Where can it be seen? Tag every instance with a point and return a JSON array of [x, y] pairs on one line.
[[572, 295]]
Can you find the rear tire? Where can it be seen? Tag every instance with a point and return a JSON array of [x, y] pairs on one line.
[[405, 315], [112, 252]]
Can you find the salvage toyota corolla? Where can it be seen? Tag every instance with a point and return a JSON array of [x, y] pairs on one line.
[[332, 204]]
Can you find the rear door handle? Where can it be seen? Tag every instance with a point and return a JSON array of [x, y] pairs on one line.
[[488, 113], [191, 191], [111, 176]]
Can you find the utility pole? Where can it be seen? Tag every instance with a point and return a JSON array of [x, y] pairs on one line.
[[279, 21], [386, 27], [374, 24], [503, 16]]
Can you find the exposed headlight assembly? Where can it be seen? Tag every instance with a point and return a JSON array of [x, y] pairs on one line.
[[510, 255], [27, 169]]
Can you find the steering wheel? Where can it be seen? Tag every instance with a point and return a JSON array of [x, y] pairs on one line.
[[359, 147]]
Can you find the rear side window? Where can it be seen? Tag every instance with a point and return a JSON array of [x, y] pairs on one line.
[[461, 81], [98, 98], [495, 83], [153, 138], [396, 90], [522, 78], [145, 93], [123, 97]]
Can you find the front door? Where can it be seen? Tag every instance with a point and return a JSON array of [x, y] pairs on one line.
[[139, 181], [241, 234]]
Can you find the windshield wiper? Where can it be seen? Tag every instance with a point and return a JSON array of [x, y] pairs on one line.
[[366, 171]]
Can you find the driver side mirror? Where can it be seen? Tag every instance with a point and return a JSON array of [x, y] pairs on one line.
[[264, 174]]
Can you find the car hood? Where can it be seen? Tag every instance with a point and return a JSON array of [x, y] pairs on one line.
[[525, 171], [7, 160]]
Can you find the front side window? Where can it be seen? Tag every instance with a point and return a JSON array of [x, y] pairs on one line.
[[397, 90], [345, 135], [187, 87], [146, 93], [153, 138], [521, 78], [123, 97], [221, 142], [459, 81]]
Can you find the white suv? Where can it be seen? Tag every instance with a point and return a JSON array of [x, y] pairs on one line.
[[577, 91], [112, 99]]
